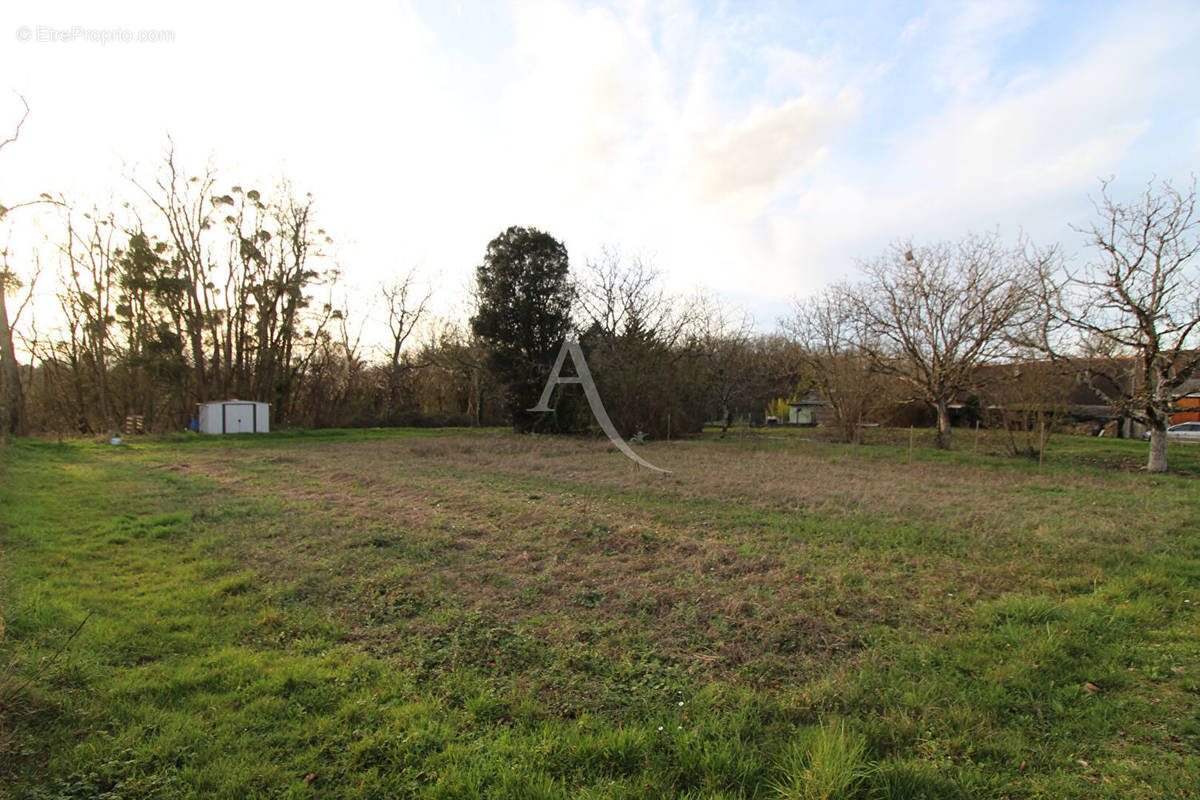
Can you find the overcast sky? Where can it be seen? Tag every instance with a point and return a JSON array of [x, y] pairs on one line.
[[753, 148]]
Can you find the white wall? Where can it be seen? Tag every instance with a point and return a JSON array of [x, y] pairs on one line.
[[235, 416]]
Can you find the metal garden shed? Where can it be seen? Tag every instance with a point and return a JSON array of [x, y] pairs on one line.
[[235, 416]]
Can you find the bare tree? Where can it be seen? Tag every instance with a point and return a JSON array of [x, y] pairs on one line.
[[404, 304], [932, 315], [90, 288], [641, 344], [454, 363], [724, 339], [186, 205], [833, 360], [284, 296], [12, 417], [1138, 301], [619, 295], [1028, 399]]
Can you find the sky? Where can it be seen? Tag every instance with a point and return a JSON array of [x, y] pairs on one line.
[[757, 150]]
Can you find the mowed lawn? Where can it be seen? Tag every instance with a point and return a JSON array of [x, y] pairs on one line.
[[463, 614]]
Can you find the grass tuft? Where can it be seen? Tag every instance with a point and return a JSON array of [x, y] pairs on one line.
[[825, 763]]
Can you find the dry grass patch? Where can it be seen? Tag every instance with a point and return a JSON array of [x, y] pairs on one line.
[[744, 563]]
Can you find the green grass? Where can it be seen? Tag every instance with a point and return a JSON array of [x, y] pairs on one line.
[[475, 614]]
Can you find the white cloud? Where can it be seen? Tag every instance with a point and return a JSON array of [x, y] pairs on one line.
[[973, 36], [914, 28], [751, 158], [616, 146], [1044, 140]]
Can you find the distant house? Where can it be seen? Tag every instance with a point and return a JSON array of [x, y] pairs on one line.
[[1188, 401], [1019, 388], [1068, 386], [812, 409], [1086, 402]]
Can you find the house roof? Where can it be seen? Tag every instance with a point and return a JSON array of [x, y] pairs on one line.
[[1108, 375], [1190, 388], [813, 398]]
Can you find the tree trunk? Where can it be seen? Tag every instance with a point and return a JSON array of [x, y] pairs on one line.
[[1158, 448], [12, 418], [477, 397], [847, 425], [102, 387], [943, 425]]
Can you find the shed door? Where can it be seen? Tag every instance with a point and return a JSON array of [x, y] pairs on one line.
[[239, 417]]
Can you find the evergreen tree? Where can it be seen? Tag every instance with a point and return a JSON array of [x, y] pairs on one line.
[[524, 297]]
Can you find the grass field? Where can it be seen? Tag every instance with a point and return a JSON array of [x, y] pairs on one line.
[[475, 614]]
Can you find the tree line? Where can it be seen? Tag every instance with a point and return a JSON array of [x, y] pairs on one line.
[[938, 321], [1008, 328], [189, 295], [194, 290]]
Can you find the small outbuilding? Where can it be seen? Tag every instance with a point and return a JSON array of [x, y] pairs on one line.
[[235, 416], [812, 409]]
